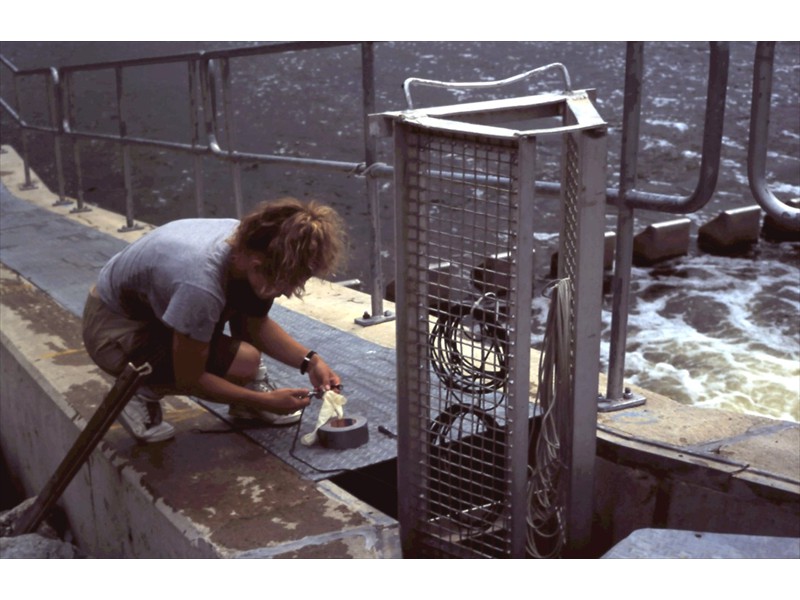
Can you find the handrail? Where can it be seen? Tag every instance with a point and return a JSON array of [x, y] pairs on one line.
[[204, 57], [261, 49], [711, 151], [212, 147], [627, 198], [205, 68], [785, 215]]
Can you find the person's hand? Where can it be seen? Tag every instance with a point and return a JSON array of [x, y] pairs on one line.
[[285, 401], [321, 375]]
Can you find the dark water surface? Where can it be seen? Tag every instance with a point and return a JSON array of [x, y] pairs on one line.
[[705, 330]]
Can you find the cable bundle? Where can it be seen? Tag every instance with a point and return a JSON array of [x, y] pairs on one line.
[[546, 534]]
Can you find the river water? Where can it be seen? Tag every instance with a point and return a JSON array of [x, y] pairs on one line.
[[705, 330]]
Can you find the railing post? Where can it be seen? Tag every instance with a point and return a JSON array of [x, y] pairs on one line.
[[28, 185], [69, 118], [373, 201], [236, 168], [786, 215], [54, 106], [623, 260], [126, 155], [194, 119]]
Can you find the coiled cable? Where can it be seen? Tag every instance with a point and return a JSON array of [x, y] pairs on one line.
[[469, 348]]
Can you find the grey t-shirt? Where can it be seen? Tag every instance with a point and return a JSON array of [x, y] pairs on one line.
[[177, 273]]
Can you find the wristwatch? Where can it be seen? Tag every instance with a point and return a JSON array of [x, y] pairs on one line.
[[306, 362]]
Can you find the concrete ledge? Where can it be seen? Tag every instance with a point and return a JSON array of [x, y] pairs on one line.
[[666, 543], [201, 495]]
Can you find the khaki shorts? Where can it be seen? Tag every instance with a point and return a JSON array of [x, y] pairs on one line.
[[113, 340]]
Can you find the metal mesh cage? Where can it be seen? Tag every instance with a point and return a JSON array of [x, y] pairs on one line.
[[461, 226], [465, 223]]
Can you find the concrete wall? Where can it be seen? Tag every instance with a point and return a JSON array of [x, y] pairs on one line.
[[641, 487], [110, 513]]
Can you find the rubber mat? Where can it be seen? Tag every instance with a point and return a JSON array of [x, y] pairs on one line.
[[368, 373], [67, 265]]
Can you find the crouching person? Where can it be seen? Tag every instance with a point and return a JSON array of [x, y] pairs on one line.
[[166, 299]]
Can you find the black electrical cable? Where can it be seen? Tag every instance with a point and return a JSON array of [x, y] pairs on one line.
[[469, 349]]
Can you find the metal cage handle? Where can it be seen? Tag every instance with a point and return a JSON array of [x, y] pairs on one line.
[[483, 84]]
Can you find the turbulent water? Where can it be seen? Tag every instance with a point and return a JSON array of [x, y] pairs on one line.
[[706, 330]]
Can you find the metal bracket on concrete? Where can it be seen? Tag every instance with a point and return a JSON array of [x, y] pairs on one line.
[[27, 186], [628, 400], [127, 228], [366, 320], [81, 209]]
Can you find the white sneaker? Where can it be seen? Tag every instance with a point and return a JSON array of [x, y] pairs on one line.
[[262, 384], [143, 419]]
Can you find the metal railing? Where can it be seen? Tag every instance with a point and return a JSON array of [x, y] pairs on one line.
[[787, 216], [209, 85], [208, 80], [627, 198]]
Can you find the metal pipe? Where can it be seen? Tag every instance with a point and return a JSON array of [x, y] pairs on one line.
[[785, 215], [483, 84], [275, 48], [69, 117], [126, 154], [236, 167], [194, 120], [101, 421], [54, 109], [28, 185], [711, 151], [628, 198], [208, 69], [373, 200], [623, 263]]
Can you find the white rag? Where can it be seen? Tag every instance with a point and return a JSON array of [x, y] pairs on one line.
[[332, 404]]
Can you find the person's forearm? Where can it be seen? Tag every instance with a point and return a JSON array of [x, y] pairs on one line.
[[273, 340]]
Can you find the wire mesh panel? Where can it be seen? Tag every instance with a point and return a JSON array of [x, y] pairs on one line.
[[580, 265], [462, 233], [465, 219]]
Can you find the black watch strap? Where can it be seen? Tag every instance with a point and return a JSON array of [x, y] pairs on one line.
[[306, 362]]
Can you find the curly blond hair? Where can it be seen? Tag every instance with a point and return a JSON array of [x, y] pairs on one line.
[[297, 240]]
